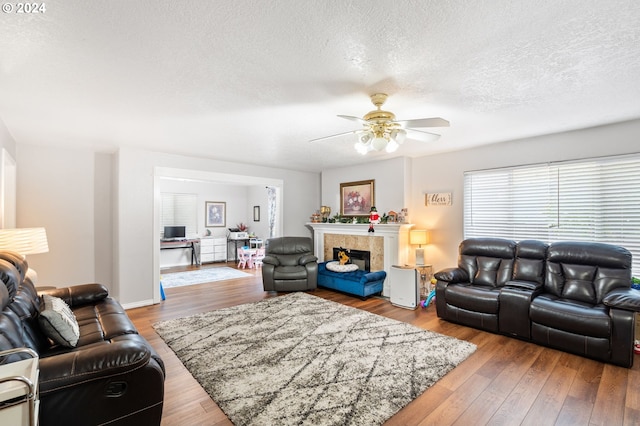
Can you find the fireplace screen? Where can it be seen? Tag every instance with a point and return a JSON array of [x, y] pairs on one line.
[[362, 258]]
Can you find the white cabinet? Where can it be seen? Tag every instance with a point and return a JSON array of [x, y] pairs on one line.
[[19, 389], [213, 249]]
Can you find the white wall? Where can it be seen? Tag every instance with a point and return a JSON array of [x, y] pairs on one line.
[[444, 173], [57, 190], [392, 184], [6, 140], [257, 196], [134, 242], [8, 178]]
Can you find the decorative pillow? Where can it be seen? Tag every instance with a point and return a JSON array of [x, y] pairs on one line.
[[337, 267], [58, 321]]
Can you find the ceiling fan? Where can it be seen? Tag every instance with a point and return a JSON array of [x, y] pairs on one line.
[[381, 130]]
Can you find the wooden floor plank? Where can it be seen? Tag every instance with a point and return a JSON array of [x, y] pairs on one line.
[[610, 401], [547, 406], [485, 406], [505, 382]]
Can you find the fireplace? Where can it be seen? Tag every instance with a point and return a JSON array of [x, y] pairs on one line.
[[362, 258], [388, 245]]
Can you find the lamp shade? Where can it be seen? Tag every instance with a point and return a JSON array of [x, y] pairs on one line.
[[418, 236], [24, 240]]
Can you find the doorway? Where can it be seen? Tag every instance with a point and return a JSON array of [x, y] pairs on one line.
[[255, 184]]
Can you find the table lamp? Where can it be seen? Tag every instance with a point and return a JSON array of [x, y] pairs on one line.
[[24, 240], [419, 237]]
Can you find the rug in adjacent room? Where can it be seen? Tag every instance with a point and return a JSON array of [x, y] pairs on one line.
[[300, 359], [199, 276]]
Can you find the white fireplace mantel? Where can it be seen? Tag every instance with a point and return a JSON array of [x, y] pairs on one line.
[[396, 241]]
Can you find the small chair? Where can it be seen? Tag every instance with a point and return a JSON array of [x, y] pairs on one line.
[[257, 258], [255, 243], [244, 258]]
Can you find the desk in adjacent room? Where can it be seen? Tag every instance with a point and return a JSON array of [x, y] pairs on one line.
[[192, 243], [235, 242]]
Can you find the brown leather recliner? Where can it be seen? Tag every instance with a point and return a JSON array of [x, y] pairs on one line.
[[112, 375], [289, 265]]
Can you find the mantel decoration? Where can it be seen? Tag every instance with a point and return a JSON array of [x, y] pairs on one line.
[[215, 213], [357, 198]]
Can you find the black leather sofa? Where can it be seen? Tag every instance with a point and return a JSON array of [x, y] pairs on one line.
[[112, 376], [573, 296]]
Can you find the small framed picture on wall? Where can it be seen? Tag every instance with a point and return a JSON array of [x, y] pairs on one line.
[[215, 213], [256, 213]]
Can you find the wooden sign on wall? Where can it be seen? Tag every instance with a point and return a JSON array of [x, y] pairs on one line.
[[438, 199]]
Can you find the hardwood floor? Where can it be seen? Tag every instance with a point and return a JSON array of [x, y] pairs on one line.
[[505, 382]]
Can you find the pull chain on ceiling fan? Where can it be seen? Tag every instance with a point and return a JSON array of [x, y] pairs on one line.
[[381, 130]]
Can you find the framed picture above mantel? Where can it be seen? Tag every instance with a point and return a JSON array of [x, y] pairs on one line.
[[356, 198]]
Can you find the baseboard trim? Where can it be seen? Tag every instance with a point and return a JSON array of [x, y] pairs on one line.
[[139, 304]]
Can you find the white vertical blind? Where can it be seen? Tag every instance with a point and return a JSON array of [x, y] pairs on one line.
[[588, 200], [179, 210]]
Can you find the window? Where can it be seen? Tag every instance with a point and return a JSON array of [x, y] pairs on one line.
[[179, 210], [588, 200]]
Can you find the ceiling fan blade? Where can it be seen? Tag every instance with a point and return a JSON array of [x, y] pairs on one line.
[[353, 132], [422, 136], [352, 118], [424, 122]]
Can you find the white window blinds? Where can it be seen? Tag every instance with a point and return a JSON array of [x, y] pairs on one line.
[[179, 210], [588, 200]]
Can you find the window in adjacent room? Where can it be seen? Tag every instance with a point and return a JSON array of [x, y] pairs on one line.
[[179, 210], [272, 210], [588, 200]]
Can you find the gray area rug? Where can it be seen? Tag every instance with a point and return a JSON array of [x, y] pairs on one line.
[[302, 360], [199, 276]]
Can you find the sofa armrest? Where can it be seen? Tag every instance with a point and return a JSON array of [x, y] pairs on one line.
[[623, 298], [452, 275], [373, 276], [525, 285], [93, 362], [79, 294], [270, 260], [307, 258]]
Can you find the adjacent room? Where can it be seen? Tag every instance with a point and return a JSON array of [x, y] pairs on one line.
[[319, 212]]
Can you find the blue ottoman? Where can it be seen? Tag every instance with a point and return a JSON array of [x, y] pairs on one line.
[[359, 283]]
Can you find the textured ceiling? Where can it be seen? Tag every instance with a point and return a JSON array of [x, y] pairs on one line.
[[253, 81]]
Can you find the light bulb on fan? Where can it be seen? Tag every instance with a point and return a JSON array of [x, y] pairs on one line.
[[399, 135], [379, 143], [392, 146]]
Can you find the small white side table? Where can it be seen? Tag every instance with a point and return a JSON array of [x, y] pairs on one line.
[[19, 389]]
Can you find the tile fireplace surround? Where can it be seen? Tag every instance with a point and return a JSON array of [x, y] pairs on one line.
[[389, 244]]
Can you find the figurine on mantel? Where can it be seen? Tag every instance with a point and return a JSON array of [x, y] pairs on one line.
[[374, 218]]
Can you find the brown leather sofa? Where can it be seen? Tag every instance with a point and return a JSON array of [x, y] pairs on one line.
[[289, 265], [112, 376], [573, 296]]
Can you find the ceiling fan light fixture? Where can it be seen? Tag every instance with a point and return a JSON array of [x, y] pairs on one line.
[[379, 143], [392, 146], [398, 135], [382, 131], [361, 148]]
